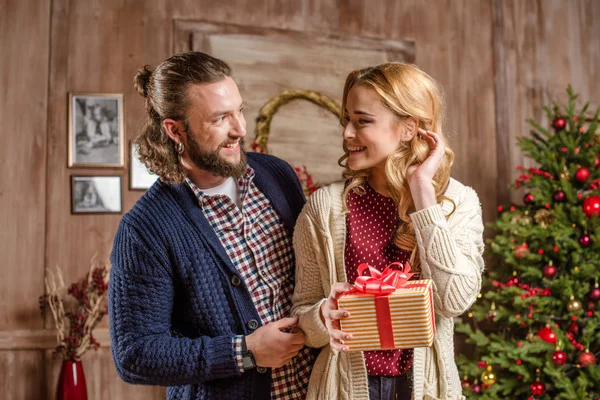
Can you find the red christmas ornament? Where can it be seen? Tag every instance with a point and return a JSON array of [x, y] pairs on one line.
[[559, 196], [559, 123], [547, 335], [594, 294], [573, 328], [521, 250], [591, 206], [550, 271], [559, 357], [537, 388], [582, 174], [586, 358], [597, 162], [477, 388], [585, 241], [528, 198], [466, 384], [482, 364]]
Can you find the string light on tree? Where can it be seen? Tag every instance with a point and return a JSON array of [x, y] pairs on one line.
[[492, 313]]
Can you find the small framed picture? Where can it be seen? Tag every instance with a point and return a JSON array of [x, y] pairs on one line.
[[139, 176], [96, 194], [96, 130]]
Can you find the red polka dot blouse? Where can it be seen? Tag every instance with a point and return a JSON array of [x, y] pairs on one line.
[[370, 224]]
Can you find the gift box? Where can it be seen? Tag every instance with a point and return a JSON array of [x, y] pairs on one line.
[[387, 311]]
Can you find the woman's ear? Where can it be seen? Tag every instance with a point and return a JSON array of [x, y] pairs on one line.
[[174, 129], [410, 127]]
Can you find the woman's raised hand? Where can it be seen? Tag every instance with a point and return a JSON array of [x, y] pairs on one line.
[[425, 171]]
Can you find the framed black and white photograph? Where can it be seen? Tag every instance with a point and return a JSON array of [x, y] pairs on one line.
[[96, 130], [139, 176], [96, 194]]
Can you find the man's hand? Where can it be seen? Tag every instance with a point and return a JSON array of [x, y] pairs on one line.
[[273, 348]]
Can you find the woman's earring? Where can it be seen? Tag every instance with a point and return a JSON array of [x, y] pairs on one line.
[[179, 148]]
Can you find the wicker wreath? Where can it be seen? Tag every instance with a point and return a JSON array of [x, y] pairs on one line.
[[266, 113]]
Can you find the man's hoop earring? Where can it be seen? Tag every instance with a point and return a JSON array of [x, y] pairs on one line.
[[179, 148]]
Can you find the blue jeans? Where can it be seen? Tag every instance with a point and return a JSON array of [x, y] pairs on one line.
[[390, 387]]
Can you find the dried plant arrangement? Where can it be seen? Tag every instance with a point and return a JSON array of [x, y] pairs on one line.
[[77, 310]]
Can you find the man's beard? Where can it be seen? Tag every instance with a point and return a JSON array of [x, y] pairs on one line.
[[213, 163]]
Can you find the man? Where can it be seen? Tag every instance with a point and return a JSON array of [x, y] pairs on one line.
[[202, 273]]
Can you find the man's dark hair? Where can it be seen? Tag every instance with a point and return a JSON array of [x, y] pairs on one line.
[[166, 92]]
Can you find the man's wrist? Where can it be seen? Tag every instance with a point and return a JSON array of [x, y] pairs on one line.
[[248, 361], [237, 351]]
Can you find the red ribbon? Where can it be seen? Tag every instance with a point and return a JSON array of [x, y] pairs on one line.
[[381, 285]]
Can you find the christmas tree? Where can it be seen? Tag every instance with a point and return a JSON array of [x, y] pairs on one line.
[[535, 327]]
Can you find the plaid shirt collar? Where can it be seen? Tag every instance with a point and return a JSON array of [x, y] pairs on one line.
[[243, 183]]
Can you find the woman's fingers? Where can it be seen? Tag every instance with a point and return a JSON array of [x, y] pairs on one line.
[[339, 288], [338, 314], [336, 338]]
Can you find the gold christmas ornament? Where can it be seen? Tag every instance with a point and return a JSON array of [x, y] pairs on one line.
[[489, 377], [544, 218], [574, 305], [521, 219]]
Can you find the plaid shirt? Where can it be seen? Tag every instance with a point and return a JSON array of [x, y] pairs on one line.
[[260, 248]]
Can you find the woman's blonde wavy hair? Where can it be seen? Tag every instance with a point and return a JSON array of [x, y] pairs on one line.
[[409, 93]]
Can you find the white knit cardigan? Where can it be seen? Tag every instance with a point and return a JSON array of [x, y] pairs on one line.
[[451, 255]]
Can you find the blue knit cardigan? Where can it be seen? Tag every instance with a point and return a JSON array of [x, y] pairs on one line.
[[172, 305]]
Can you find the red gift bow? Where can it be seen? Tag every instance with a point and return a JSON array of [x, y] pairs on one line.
[[382, 283]]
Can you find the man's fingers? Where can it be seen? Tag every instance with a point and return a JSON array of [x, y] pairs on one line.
[[296, 338], [285, 323], [293, 350]]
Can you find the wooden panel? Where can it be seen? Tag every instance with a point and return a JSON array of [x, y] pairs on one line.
[[454, 46], [96, 50], [540, 47], [267, 61], [41, 339], [24, 29], [101, 379], [22, 375]]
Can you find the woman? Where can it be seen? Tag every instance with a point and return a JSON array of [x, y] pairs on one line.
[[398, 203]]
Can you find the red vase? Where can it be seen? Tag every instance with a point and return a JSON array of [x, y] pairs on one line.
[[71, 382]]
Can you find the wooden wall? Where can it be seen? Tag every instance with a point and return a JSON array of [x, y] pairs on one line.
[[498, 61]]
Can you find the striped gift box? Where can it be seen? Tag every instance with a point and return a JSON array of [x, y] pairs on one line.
[[411, 316]]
